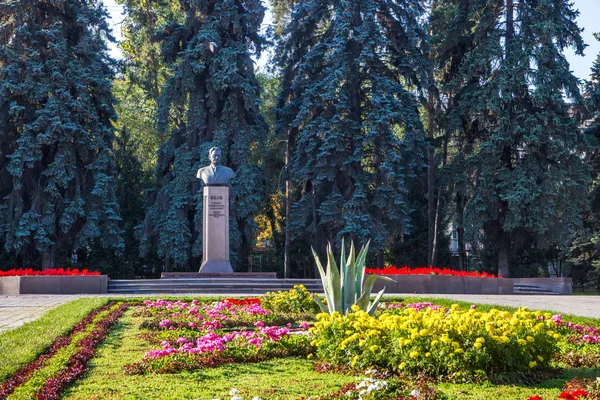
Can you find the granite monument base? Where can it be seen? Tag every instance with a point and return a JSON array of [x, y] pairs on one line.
[[215, 232]]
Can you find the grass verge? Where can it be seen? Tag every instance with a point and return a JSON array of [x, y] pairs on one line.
[[24, 344], [57, 363], [288, 378]]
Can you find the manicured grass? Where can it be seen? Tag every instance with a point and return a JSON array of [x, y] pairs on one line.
[[56, 363], [549, 389], [24, 344], [288, 378]]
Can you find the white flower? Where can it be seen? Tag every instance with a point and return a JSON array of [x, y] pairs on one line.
[[415, 393], [236, 397], [234, 392], [256, 398]]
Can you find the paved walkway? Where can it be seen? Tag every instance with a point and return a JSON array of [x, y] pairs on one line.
[[17, 310]]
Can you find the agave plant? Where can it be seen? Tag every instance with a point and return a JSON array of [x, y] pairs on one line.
[[346, 287]]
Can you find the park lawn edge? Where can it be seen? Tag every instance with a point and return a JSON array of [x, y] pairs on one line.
[[440, 301], [24, 344], [59, 361]]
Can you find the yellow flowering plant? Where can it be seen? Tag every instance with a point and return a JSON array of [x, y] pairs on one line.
[[295, 301], [440, 342]]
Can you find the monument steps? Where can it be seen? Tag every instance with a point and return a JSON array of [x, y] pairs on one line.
[[528, 288], [208, 285]]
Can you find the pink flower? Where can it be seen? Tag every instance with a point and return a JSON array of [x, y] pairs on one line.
[[259, 324], [164, 323], [304, 325]]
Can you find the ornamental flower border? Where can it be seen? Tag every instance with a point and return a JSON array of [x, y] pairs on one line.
[[49, 272], [406, 270]]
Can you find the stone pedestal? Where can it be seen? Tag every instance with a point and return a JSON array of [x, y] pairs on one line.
[[215, 231]]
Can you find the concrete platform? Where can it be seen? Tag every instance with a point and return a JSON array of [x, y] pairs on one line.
[[54, 284]]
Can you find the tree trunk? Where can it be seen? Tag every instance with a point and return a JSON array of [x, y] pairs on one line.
[[460, 231], [432, 210], [152, 55], [48, 259], [503, 242], [288, 209], [380, 263], [503, 258]]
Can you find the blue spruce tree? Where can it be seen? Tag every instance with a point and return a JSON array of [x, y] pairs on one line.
[[350, 70], [57, 187], [211, 99], [505, 77]]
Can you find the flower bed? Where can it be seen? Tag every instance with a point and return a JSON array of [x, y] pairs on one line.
[[51, 373], [49, 272], [392, 270], [452, 343], [22, 375], [404, 350], [195, 335]]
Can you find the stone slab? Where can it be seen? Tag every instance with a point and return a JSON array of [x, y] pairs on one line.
[[96, 284], [440, 284]]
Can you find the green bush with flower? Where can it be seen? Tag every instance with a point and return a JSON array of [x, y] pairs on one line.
[[452, 343], [295, 301]]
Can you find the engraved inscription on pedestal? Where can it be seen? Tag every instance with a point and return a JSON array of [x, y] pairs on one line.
[[216, 207]]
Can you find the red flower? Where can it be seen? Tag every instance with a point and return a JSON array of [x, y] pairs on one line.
[[536, 397], [245, 302], [59, 271], [573, 395], [392, 270]]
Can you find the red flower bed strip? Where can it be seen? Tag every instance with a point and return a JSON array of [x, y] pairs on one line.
[[247, 301], [77, 365], [22, 375], [391, 270], [51, 272]]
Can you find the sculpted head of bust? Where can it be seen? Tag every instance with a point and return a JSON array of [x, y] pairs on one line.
[[215, 174], [214, 155]]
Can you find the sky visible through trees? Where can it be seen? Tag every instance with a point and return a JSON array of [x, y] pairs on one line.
[[589, 11]]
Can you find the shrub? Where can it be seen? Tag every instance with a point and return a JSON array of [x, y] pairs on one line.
[[452, 343], [295, 301]]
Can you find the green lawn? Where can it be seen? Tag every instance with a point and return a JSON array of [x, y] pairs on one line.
[[277, 379], [290, 378], [24, 344]]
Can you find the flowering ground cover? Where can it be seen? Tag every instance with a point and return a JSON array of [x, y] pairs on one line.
[[52, 272], [392, 270], [192, 348]]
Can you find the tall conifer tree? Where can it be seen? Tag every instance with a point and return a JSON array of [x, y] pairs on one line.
[[593, 87], [508, 77], [345, 105], [212, 99], [57, 188]]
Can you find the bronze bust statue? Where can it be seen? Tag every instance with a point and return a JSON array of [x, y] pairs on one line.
[[215, 174]]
